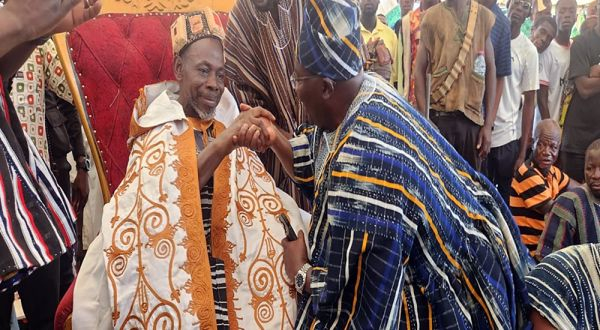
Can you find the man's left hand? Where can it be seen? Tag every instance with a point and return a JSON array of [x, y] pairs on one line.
[[294, 254], [484, 141], [80, 190]]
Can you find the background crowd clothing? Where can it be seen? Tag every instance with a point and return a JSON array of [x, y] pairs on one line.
[[390, 40], [564, 288], [524, 78], [554, 67], [41, 71], [409, 37], [574, 219], [439, 30], [506, 135], [259, 57], [529, 190], [41, 224], [582, 123]]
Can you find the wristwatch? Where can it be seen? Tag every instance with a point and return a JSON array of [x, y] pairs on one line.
[[84, 164], [300, 279]]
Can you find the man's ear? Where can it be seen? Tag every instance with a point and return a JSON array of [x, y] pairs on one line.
[[328, 88], [178, 67]]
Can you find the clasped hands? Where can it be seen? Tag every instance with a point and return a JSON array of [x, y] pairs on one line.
[[254, 128]]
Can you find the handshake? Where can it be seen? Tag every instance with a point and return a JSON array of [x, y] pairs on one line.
[[254, 128]]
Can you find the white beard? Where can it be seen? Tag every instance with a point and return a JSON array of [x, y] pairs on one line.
[[203, 115]]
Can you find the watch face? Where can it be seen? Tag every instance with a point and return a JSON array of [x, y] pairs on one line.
[[299, 281]]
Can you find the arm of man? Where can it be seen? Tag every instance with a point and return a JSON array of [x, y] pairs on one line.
[[559, 229], [484, 140], [581, 69], [421, 64], [24, 20], [81, 187], [14, 59], [546, 69], [542, 95], [587, 87], [526, 126]]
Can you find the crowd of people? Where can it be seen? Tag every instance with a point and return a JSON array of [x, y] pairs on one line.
[[311, 167]]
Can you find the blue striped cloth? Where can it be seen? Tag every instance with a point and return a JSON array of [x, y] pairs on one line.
[[501, 37], [565, 287], [329, 44], [404, 231]]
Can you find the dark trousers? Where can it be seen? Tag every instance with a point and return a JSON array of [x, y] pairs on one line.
[[39, 293], [61, 173], [460, 132], [499, 167], [573, 165]]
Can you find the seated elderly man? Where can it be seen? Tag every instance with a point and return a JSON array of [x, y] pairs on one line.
[[190, 211], [537, 183], [575, 216]]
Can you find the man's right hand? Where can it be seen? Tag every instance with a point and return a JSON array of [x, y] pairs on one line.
[[255, 128], [38, 18]]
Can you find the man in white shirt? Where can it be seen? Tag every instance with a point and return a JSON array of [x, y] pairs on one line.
[[513, 124], [554, 62]]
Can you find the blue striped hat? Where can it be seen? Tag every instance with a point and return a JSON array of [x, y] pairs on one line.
[[329, 44]]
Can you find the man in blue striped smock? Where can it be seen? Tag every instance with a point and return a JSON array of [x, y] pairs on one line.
[[565, 289], [404, 234]]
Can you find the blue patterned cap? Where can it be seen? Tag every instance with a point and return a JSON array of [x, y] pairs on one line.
[[330, 43]]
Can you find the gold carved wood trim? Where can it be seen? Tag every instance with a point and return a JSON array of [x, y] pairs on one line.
[[163, 6]]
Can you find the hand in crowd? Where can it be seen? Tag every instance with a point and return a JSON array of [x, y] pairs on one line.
[[254, 128], [595, 71], [519, 162], [84, 11], [80, 191], [294, 254], [484, 141], [50, 16]]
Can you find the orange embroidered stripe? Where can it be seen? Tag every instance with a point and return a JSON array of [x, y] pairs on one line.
[[477, 297], [430, 315], [321, 18], [412, 198], [405, 303], [360, 258], [304, 180], [435, 175]]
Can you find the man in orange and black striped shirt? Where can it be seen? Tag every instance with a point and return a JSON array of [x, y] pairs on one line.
[[537, 183]]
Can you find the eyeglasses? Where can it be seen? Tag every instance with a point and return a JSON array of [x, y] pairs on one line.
[[294, 79], [524, 4]]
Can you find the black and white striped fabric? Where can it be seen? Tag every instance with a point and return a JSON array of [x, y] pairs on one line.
[[37, 221], [217, 266]]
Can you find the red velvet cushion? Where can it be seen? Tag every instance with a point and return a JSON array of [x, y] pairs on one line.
[[115, 56]]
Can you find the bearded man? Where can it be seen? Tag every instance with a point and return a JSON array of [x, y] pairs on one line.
[[190, 238]]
